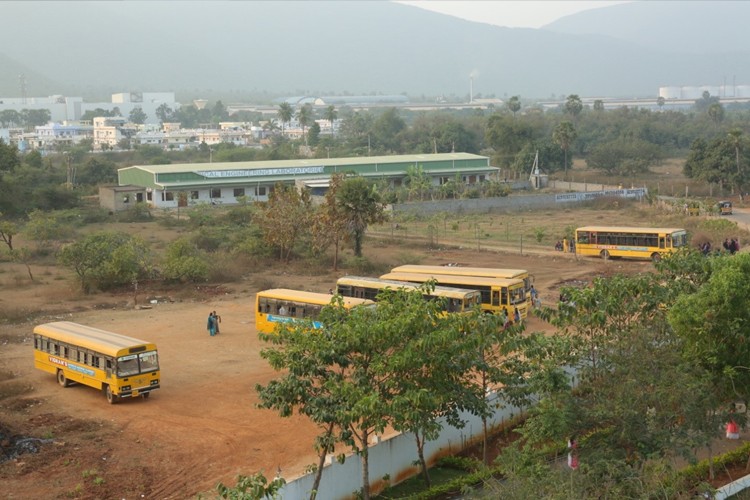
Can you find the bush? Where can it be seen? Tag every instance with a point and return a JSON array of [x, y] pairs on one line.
[[363, 266]]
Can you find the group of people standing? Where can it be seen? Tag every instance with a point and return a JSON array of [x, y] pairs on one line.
[[213, 323], [565, 246], [730, 245]]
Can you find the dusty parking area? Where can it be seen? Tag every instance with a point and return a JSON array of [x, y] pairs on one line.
[[202, 426]]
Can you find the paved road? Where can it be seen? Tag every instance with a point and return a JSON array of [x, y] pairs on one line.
[[741, 216]]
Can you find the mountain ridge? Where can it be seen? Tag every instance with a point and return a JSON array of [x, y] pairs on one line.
[[233, 48]]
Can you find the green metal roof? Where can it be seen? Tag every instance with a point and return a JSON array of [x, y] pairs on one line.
[[314, 162], [188, 175]]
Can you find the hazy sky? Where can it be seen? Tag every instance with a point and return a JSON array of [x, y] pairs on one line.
[[510, 13]]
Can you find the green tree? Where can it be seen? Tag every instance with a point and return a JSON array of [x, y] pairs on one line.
[[34, 159], [716, 112], [427, 375], [35, 117], [90, 114], [331, 115], [185, 262], [285, 113], [712, 320], [598, 105], [360, 205], [219, 112], [573, 106], [107, 259], [564, 135], [255, 487], [313, 134], [97, 171], [417, 181], [507, 137], [735, 138], [9, 158], [386, 131], [308, 358], [514, 104], [137, 115], [10, 117], [624, 157], [8, 229], [164, 113], [47, 229]]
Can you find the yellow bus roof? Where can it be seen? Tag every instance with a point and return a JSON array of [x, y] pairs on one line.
[[626, 229], [487, 272], [87, 337], [442, 291], [448, 279], [321, 299]]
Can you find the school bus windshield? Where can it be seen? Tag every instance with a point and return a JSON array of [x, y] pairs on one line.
[[137, 363]]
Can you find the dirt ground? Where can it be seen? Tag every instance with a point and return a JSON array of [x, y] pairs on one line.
[[202, 426]]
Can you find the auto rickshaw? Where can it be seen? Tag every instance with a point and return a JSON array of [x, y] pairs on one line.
[[725, 207]]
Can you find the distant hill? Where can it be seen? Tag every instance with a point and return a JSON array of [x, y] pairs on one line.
[[235, 47], [693, 27], [36, 83]]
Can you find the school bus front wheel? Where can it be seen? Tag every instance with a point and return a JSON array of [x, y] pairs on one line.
[[111, 396]]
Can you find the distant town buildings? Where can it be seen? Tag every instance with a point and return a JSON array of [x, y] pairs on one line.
[[71, 109]]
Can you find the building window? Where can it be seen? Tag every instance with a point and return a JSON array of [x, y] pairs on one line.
[[167, 196], [193, 195], [239, 192], [215, 193], [260, 191], [126, 198]]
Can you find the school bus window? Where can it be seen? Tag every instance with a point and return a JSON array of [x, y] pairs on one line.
[[149, 361], [127, 365]]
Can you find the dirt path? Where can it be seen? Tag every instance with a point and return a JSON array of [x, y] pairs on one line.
[[202, 426]]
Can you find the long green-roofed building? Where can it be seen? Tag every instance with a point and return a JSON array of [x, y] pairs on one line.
[[223, 183]]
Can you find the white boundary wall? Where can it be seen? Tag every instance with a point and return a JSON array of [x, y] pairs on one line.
[[393, 457]]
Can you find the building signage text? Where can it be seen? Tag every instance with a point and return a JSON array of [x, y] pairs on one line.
[[256, 172], [618, 193]]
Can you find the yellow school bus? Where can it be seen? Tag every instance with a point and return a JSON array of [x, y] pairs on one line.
[[481, 272], [282, 305], [629, 242], [497, 294], [119, 366], [455, 300]]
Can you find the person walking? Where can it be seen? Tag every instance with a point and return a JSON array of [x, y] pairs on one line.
[[211, 324], [534, 297], [516, 315], [217, 321]]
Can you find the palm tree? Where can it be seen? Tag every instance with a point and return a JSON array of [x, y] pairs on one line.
[[735, 139], [270, 126], [286, 112], [564, 135], [305, 118], [573, 105], [331, 115], [514, 104]]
